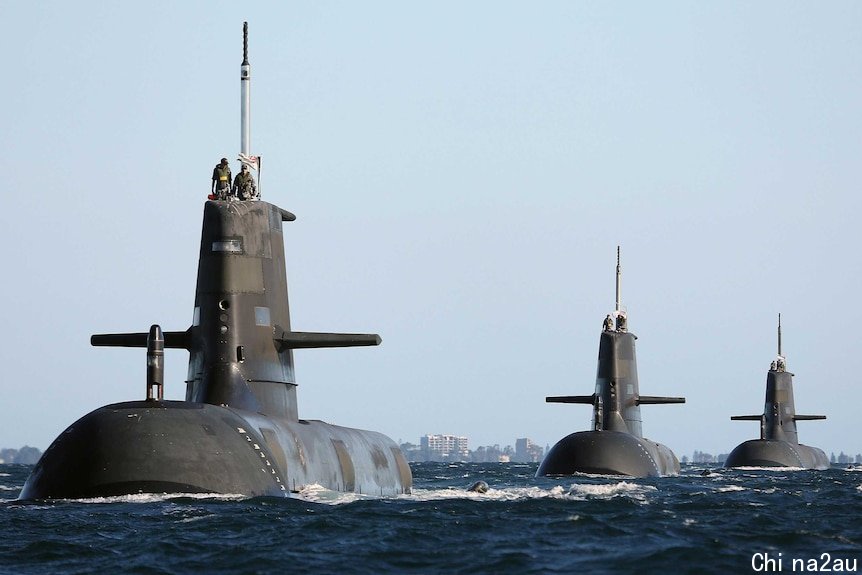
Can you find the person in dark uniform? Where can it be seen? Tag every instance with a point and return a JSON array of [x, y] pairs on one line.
[[243, 185], [221, 180], [608, 324], [621, 323]]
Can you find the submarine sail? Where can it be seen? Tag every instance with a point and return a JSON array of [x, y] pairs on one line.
[[238, 430], [778, 445], [615, 445]]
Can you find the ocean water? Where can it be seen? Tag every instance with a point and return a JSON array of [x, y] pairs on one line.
[[729, 521]]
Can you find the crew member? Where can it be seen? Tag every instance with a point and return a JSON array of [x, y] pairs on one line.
[[621, 323], [243, 185], [221, 180], [609, 323]]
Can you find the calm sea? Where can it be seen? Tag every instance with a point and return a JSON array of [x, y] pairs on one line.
[[739, 521]]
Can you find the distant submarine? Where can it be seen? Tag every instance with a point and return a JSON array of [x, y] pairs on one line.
[[778, 445], [238, 430], [615, 446]]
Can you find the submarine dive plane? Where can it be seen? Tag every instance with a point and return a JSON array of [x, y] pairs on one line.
[[615, 445], [778, 445], [238, 429]]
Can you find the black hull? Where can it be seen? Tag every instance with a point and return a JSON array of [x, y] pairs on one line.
[[774, 453], [608, 453], [184, 447]]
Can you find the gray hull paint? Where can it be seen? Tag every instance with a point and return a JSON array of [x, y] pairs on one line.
[[238, 432]]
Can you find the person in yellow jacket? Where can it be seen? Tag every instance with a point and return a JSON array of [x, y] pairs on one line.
[[221, 180]]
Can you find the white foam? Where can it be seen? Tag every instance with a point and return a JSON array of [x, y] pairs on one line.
[[577, 491], [159, 497], [610, 490], [9, 487], [315, 493], [781, 469], [729, 488]]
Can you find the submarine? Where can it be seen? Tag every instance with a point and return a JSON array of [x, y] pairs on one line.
[[778, 445], [238, 430], [615, 445]]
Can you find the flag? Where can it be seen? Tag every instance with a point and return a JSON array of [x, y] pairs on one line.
[[252, 162]]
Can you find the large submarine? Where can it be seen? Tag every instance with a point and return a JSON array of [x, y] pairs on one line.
[[778, 445], [615, 445], [238, 430]]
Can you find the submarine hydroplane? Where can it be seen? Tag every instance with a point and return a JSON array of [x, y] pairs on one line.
[[238, 430], [615, 445]]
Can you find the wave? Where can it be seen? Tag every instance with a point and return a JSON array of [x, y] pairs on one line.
[[773, 469], [577, 492], [728, 488], [157, 498]]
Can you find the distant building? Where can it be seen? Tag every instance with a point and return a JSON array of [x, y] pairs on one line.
[[486, 454], [444, 448], [26, 455], [703, 457], [527, 452], [411, 451], [842, 458], [492, 454]]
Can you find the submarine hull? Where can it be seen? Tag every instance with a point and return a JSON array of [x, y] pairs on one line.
[[775, 453], [608, 453], [185, 447]]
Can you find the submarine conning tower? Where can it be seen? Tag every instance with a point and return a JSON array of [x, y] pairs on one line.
[[240, 343], [778, 420], [616, 407], [240, 302], [615, 444], [241, 346]]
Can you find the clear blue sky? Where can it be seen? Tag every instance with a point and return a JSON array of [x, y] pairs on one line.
[[462, 174]]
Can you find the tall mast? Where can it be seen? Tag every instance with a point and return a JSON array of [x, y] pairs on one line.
[[779, 335], [618, 279], [245, 95]]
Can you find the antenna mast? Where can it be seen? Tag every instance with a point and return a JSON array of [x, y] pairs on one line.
[[245, 95], [618, 279], [779, 335]]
